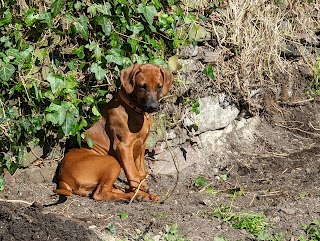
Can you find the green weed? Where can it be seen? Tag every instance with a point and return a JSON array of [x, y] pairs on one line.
[[253, 223], [171, 233], [315, 89], [312, 231]]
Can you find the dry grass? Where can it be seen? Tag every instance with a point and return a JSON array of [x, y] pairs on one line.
[[254, 33]]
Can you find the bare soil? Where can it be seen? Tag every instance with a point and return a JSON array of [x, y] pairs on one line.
[[281, 182]]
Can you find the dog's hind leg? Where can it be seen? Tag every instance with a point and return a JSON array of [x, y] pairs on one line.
[[64, 189]]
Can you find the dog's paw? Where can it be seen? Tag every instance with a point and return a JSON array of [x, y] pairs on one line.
[[153, 197]]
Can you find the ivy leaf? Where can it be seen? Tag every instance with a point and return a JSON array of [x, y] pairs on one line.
[[71, 120], [98, 71], [55, 83], [81, 26], [94, 46], [57, 7], [6, 71], [31, 18], [79, 52], [149, 12], [57, 113], [160, 62], [105, 24], [89, 141], [6, 19], [88, 99], [114, 56], [95, 111], [136, 29], [104, 9], [46, 18], [14, 54]]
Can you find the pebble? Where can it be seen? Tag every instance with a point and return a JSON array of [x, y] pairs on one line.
[[289, 211], [276, 219]]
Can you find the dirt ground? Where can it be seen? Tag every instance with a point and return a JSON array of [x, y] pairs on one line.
[[278, 180]]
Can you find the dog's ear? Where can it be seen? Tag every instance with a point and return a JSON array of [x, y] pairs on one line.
[[127, 77], [167, 80]]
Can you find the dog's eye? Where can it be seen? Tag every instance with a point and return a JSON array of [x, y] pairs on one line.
[[159, 87], [143, 87]]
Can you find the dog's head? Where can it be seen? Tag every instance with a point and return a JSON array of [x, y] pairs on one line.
[[146, 83]]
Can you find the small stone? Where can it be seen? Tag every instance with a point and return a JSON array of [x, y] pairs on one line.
[[289, 211], [206, 202], [157, 237], [276, 219]]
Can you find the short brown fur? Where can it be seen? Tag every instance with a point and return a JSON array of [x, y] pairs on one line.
[[119, 139]]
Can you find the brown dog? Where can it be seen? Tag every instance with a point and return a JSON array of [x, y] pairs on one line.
[[119, 139]]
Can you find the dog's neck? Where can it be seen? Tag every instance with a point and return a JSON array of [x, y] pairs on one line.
[[129, 101]]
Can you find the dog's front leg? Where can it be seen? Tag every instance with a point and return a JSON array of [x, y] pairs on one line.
[[140, 163], [125, 157]]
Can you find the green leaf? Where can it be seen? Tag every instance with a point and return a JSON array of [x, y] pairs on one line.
[[139, 59], [97, 51], [149, 12], [14, 54], [57, 113], [160, 62], [71, 119], [81, 26], [46, 18], [114, 56], [98, 71], [195, 108], [78, 5], [136, 29], [224, 177], [79, 52], [82, 124], [88, 99], [105, 24], [57, 7], [111, 228], [2, 182], [95, 111], [89, 141], [6, 71], [31, 18], [55, 83], [6, 19], [211, 190], [123, 215], [209, 71], [102, 8], [200, 182]]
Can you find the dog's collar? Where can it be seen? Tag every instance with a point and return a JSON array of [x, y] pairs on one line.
[[126, 99]]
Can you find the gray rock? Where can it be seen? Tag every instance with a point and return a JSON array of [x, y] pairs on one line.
[[212, 144], [176, 159], [33, 155], [39, 175], [212, 115]]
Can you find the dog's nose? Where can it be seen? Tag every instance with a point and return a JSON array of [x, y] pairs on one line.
[[151, 107]]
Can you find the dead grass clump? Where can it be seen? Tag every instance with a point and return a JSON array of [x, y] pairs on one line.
[[263, 38]]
